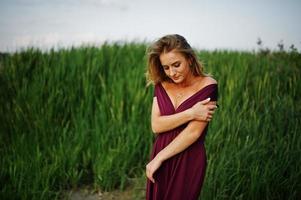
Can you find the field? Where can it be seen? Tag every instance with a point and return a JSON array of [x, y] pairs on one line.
[[81, 116]]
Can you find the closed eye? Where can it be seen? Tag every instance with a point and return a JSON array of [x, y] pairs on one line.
[[177, 65]]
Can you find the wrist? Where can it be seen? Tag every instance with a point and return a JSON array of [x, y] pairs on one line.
[[160, 157], [189, 114]]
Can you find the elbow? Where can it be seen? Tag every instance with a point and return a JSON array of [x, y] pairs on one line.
[[155, 129], [196, 128], [196, 134]]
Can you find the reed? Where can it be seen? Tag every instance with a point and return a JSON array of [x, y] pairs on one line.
[[81, 116]]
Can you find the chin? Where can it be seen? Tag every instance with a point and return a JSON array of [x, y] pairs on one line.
[[177, 80]]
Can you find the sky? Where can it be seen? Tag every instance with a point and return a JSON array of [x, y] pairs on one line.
[[206, 24]]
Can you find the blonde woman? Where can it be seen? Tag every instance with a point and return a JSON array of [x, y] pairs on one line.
[[183, 104]]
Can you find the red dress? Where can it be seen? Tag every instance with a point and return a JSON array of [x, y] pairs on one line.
[[180, 177]]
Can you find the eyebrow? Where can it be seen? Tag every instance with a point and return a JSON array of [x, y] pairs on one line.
[[172, 63]]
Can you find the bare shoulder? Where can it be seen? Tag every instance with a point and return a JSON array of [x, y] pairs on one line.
[[166, 85], [208, 81]]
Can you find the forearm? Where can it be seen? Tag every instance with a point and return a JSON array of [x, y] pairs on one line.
[[168, 122], [187, 137]]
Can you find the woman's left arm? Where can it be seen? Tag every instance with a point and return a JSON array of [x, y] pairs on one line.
[[188, 136]]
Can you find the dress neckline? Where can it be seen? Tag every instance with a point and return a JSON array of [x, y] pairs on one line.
[[175, 109]]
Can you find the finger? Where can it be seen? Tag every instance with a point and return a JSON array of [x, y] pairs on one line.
[[209, 116], [210, 112], [212, 103], [151, 178], [205, 101], [146, 173], [211, 107]]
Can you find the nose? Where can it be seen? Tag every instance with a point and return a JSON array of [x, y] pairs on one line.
[[172, 71]]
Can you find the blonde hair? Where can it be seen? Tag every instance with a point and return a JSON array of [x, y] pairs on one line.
[[155, 72]]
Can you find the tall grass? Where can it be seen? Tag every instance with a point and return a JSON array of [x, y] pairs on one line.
[[254, 143], [81, 116]]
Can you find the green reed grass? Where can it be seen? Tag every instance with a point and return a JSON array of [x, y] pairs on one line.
[[81, 116]]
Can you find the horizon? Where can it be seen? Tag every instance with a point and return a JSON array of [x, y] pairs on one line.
[[207, 25]]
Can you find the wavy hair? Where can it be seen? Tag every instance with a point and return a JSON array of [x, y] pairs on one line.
[[155, 72]]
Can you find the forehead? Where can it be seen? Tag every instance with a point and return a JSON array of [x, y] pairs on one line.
[[171, 57]]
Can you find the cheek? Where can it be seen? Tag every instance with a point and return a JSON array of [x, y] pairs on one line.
[[166, 72], [183, 70]]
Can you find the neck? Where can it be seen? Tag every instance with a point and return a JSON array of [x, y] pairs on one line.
[[188, 81]]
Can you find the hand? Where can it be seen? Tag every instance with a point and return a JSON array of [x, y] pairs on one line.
[[151, 167], [203, 110]]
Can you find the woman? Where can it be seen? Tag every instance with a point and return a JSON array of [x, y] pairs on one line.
[[180, 114]]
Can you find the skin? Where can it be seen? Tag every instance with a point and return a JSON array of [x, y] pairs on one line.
[[176, 67], [202, 111]]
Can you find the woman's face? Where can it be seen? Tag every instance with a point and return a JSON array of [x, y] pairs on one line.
[[175, 66]]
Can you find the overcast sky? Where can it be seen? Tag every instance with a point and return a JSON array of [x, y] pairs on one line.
[[206, 24]]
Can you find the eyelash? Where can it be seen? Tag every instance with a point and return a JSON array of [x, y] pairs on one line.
[[176, 65]]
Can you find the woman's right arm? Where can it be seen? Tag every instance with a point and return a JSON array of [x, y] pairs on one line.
[[201, 111]]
